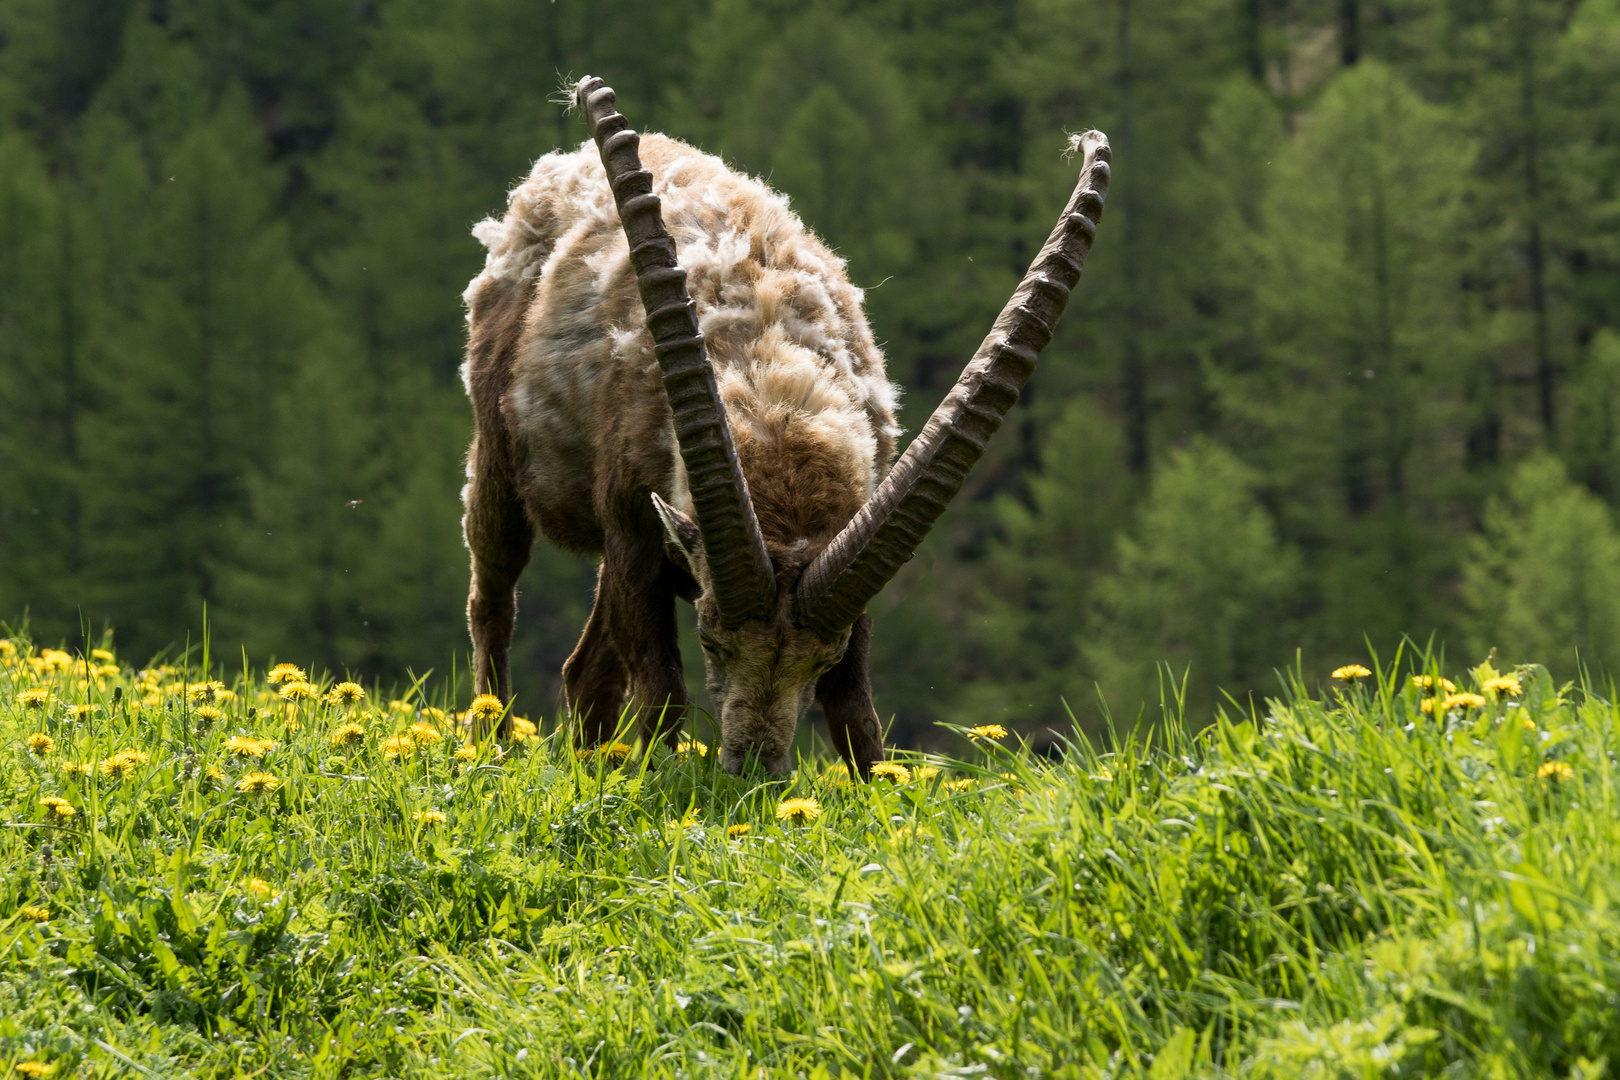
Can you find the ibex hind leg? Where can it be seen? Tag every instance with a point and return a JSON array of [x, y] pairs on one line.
[[500, 538], [594, 677], [634, 622]]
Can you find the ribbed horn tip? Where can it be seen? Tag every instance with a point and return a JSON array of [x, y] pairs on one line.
[[583, 90], [1090, 144], [1096, 160]]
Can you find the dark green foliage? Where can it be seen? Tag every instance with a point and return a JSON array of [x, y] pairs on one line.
[[1369, 259]]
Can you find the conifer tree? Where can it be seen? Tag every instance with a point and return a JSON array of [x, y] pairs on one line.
[[1202, 585], [412, 589], [826, 117], [1593, 440], [1023, 626], [43, 393], [217, 315], [1346, 392], [1541, 581], [295, 582]]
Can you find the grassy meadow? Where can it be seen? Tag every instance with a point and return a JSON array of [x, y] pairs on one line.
[[209, 873]]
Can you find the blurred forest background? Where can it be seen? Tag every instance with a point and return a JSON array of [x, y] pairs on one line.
[[1343, 366]]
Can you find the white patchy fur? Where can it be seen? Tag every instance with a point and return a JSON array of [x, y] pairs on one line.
[[785, 329]]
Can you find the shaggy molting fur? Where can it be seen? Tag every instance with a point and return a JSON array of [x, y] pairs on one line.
[[575, 432]]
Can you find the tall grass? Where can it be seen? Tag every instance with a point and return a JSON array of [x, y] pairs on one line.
[[1348, 886]]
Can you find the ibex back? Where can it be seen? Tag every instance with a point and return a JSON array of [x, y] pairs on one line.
[[728, 445]]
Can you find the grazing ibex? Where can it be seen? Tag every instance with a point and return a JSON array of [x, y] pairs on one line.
[[723, 444]]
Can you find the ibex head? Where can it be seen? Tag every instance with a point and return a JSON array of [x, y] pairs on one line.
[[770, 631], [762, 667]]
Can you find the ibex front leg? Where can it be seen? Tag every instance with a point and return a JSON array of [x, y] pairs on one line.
[[845, 694], [631, 637], [500, 539]]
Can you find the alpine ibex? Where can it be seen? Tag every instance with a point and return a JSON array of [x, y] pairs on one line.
[[724, 445]]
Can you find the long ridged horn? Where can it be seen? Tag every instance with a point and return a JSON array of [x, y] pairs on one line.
[[885, 533], [739, 566]]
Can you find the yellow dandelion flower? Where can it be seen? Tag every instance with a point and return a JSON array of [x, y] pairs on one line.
[[59, 809], [214, 775], [207, 714], [428, 817], [297, 690], [107, 671], [924, 773], [40, 744], [79, 712], [123, 763], [485, 707], [36, 698], [1507, 685], [799, 811], [8, 648], [56, 659], [83, 767], [1427, 705], [1426, 682], [258, 783], [424, 733], [1463, 701], [466, 753], [286, 672], [401, 706], [202, 692], [738, 831], [346, 693], [987, 731], [396, 747], [1555, 770], [1529, 724], [37, 914], [33, 1068], [432, 715], [690, 746], [1351, 672], [616, 753], [104, 655], [348, 734], [892, 771], [247, 746], [261, 887], [523, 729]]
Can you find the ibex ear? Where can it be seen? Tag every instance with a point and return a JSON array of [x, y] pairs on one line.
[[681, 530]]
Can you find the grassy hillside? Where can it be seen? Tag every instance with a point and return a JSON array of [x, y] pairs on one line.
[[1353, 886]]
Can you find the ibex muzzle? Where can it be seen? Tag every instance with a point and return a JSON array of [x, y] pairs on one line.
[[715, 427]]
